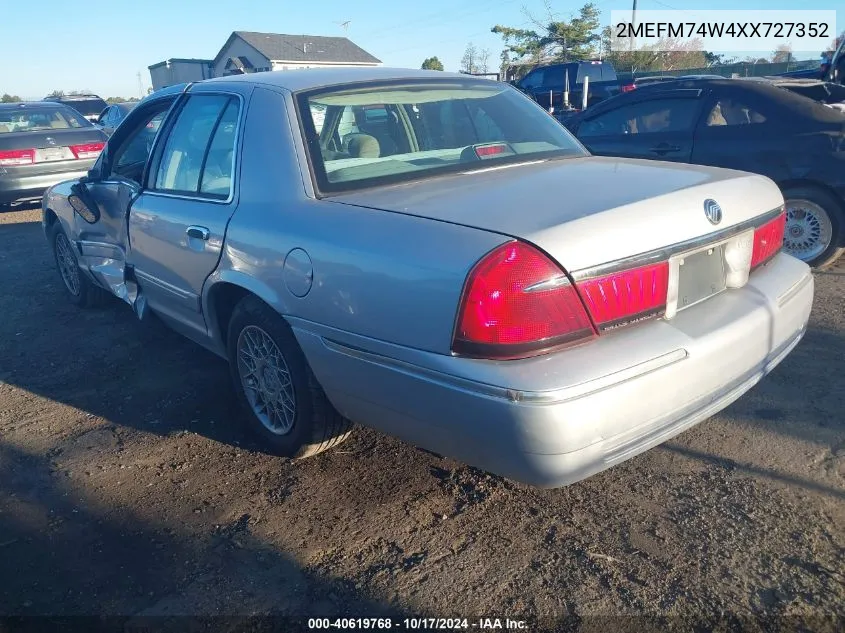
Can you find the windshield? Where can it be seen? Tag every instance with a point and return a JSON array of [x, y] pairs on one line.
[[381, 134], [88, 107], [40, 118]]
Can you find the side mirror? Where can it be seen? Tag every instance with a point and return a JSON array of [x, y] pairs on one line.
[[82, 203]]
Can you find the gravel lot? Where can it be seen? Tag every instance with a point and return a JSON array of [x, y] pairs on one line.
[[127, 488]]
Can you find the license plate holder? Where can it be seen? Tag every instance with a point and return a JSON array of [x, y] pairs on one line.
[[52, 153], [700, 275]]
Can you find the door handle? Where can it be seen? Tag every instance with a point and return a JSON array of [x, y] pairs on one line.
[[665, 148], [199, 232]]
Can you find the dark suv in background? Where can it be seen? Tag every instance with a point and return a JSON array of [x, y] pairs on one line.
[[546, 83], [89, 106]]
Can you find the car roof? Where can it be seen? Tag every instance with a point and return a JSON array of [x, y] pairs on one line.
[[309, 78], [73, 98], [29, 105], [785, 100]]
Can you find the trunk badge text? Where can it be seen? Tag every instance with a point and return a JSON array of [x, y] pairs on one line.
[[713, 211]]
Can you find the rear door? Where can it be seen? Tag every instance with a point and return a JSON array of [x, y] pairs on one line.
[[658, 127], [178, 222], [740, 130]]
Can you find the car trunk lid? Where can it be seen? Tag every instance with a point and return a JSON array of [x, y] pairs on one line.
[[47, 146], [585, 212]]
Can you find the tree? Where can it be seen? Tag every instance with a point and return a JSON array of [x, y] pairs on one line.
[[555, 40], [783, 53], [115, 100], [432, 63], [7, 98], [470, 59], [57, 93], [483, 60]]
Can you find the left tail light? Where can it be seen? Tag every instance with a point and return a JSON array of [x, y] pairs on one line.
[[517, 303], [628, 87], [14, 157], [88, 150]]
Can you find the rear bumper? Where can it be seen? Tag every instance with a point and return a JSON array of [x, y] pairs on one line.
[[698, 363], [16, 186]]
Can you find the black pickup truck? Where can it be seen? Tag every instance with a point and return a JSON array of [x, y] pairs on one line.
[[546, 84]]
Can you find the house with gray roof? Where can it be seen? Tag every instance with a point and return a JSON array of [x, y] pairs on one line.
[[251, 52], [248, 52]]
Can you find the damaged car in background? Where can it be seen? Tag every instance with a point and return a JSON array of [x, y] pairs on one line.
[[420, 273], [751, 125]]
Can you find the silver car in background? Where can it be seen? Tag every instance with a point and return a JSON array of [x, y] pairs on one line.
[[434, 256]]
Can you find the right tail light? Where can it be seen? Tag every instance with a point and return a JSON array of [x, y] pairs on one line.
[[768, 240]]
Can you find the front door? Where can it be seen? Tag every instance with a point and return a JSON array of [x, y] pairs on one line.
[[116, 182], [178, 221], [657, 128]]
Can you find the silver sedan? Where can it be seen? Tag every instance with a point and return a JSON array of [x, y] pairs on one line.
[[434, 256]]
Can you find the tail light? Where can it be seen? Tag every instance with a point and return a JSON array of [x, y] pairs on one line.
[[88, 150], [768, 240], [626, 296], [14, 157], [518, 303], [629, 88]]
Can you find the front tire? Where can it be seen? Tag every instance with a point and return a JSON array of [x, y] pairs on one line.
[[79, 289], [814, 226], [283, 403]]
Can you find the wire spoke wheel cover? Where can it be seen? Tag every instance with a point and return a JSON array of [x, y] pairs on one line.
[[266, 380], [68, 267], [809, 229]]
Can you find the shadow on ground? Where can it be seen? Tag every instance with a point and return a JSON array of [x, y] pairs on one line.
[[109, 561]]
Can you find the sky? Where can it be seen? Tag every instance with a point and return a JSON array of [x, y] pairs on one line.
[[77, 47]]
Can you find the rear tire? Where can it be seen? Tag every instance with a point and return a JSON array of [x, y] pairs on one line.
[[282, 401], [815, 224], [79, 289]]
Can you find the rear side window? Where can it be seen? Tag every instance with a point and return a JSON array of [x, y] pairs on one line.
[[733, 112], [593, 71], [645, 117], [198, 155], [534, 79]]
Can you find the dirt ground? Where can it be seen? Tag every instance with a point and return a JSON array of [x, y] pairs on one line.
[[127, 488]]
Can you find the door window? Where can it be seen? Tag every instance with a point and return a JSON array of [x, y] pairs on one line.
[[133, 149], [533, 80], [187, 154], [728, 111], [217, 174], [645, 117]]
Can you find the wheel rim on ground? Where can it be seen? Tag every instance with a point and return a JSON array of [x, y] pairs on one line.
[[266, 380], [67, 264], [809, 229]]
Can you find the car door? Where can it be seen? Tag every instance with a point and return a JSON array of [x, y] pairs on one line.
[[739, 130], [112, 184], [178, 221], [660, 126]]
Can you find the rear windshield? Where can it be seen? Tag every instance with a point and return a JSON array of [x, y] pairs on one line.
[[375, 134], [88, 107], [39, 119]]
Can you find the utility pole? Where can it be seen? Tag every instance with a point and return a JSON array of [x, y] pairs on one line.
[[140, 86], [633, 22]]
